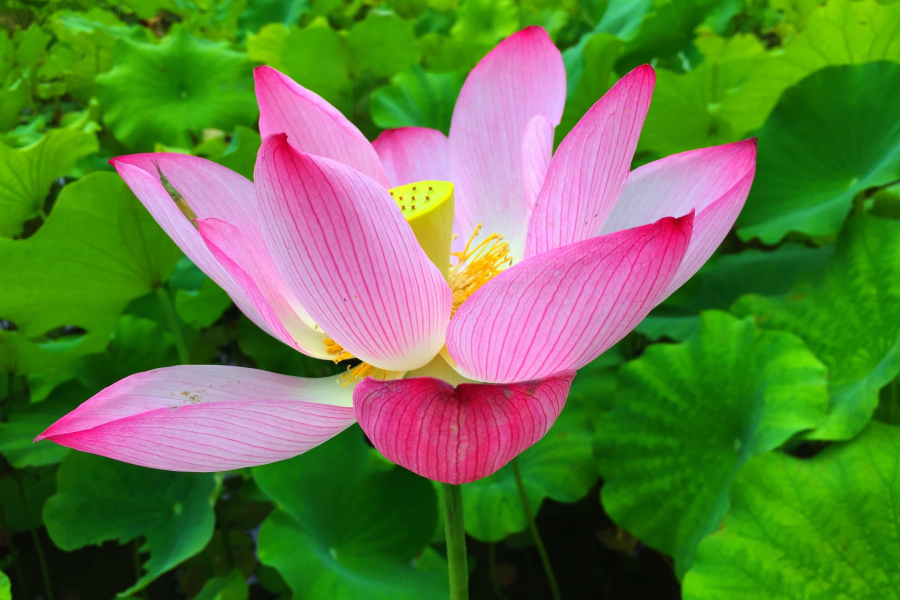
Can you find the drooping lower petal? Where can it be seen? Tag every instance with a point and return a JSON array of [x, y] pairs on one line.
[[412, 154], [206, 418], [349, 255], [714, 182], [149, 190], [561, 309], [521, 78], [457, 435], [590, 166], [312, 125]]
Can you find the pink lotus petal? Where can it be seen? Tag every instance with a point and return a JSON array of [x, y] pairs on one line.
[[457, 435], [224, 197], [351, 258], [254, 270], [411, 154], [561, 309], [206, 418], [312, 125], [591, 165], [519, 79], [537, 150], [213, 191], [714, 182]]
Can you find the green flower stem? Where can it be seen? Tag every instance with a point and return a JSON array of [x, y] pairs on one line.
[[456, 542], [39, 548], [545, 559], [183, 354]]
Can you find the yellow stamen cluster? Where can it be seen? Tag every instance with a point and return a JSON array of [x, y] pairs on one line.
[[357, 373], [360, 372], [476, 265], [336, 351]]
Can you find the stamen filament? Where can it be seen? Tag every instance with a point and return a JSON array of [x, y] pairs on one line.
[[355, 373], [477, 265], [360, 372]]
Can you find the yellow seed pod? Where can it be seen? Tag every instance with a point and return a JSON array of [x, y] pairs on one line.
[[428, 208]]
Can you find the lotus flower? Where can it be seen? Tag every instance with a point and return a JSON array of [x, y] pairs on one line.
[[343, 249]]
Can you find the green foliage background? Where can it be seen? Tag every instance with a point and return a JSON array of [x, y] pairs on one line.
[[749, 429]]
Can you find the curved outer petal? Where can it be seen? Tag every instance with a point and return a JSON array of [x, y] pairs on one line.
[[351, 258], [205, 201], [563, 308], [590, 166], [714, 182], [213, 191], [312, 125], [256, 273], [537, 150], [457, 435], [206, 418], [411, 154], [519, 79]]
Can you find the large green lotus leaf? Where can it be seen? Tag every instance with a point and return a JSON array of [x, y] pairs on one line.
[[825, 528], [348, 524], [49, 358], [479, 26], [98, 250], [26, 175], [30, 45], [85, 47], [485, 21], [315, 56], [5, 587], [25, 422], [13, 99], [382, 45], [725, 278], [666, 29], [201, 308], [623, 18], [169, 92], [416, 98], [38, 484], [560, 466], [228, 587], [137, 345], [851, 321], [620, 19], [240, 155], [834, 134], [688, 416], [594, 77], [838, 33], [99, 499], [262, 12], [685, 112], [7, 54]]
